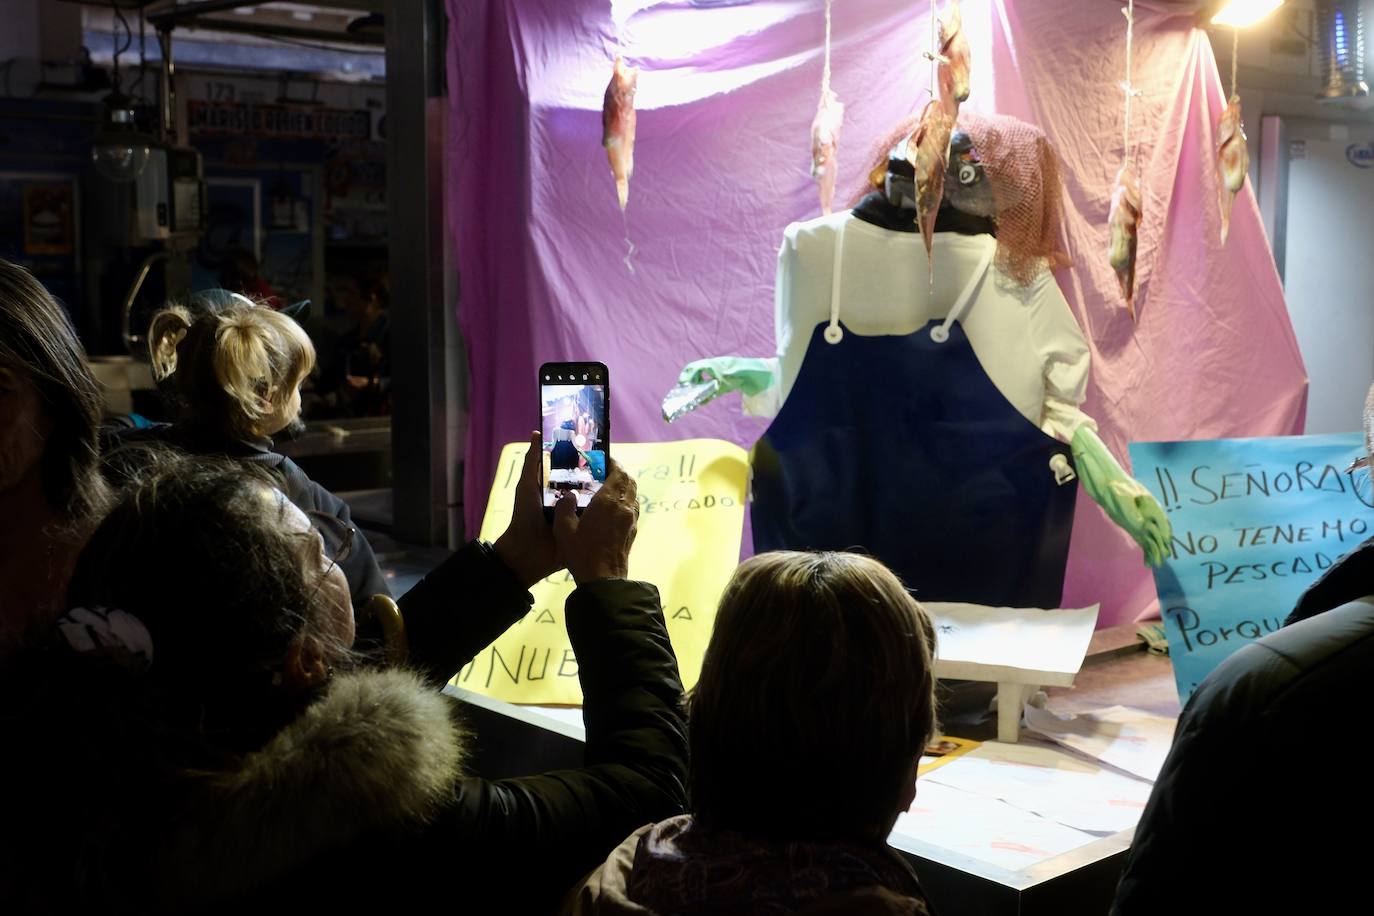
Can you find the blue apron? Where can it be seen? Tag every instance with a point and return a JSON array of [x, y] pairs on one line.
[[901, 446]]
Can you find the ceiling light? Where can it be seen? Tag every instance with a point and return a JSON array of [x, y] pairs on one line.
[[120, 150], [1240, 13], [1342, 50]]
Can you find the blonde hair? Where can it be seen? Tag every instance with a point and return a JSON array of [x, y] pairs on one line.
[[816, 696], [233, 367]]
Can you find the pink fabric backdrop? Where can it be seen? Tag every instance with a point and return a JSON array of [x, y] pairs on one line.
[[725, 102]]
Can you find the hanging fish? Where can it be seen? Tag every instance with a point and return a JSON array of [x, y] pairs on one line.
[[928, 153], [825, 138], [1124, 221], [618, 126], [1233, 161], [954, 49]]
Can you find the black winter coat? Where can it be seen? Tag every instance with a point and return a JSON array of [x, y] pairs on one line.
[[1263, 802], [361, 802]]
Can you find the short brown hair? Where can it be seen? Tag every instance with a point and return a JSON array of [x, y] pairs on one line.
[[37, 340], [816, 696], [232, 367]]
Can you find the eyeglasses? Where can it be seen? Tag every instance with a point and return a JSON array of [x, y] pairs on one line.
[[338, 536]]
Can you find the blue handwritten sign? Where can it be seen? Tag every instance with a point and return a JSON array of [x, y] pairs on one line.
[[1255, 522]]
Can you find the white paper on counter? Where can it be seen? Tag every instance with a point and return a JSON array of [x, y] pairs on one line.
[[1128, 739], [984, 828], [1052, 783], [1022, 645]]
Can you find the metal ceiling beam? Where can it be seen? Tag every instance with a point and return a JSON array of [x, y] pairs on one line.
[[172, 13], [362, 6], [247, 26]]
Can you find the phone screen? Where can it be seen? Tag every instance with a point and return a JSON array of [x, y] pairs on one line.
[[576, 428]]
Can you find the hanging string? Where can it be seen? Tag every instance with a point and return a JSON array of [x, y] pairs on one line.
[[629, 245], [825, 72], [1235, 56], [1130, 90], [934, 54]]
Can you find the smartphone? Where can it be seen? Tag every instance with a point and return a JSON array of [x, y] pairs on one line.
[[575, 413]]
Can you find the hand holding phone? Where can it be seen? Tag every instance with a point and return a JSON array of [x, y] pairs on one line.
[[575, 417], [597, 545], [527, 546]]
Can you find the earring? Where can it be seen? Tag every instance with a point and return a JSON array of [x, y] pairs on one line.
[[276, 678]]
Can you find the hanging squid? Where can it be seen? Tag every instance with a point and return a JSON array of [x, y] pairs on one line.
[[928, 153], [1123, 222], [955, 57], [825, 130], [825, 138], [618, 126], [1233, 161]]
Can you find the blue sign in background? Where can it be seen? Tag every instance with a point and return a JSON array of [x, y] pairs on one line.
[[1255, 522]]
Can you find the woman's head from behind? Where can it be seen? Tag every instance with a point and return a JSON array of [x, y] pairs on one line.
[[815, 700], [237, 368], [244, 609], [50, 404]]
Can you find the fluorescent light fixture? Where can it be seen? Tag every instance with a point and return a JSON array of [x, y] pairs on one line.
[[1240, 13]]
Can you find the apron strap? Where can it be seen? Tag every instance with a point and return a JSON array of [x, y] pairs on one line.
[[940, 333], [833, 333]]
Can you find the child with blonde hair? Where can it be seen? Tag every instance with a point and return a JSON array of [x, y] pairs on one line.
[[239, 368]]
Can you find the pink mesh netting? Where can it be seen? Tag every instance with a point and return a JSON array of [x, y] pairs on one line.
[[1023, 172]]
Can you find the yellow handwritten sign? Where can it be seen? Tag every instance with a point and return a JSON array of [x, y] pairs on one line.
[[691, 515]]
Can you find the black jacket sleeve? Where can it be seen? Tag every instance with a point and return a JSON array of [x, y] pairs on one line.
[[540, 834], [459, 608]]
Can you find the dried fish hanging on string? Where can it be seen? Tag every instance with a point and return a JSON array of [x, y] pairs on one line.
[[928, 148], [956, 57], [618, 126], [1233, 156], [825, 131], [1123, 220]]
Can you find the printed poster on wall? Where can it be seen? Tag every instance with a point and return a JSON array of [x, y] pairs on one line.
[[691, 518], [1255, 522], [50, 218]]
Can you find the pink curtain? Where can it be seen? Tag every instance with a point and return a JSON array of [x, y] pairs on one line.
[[725, 102]]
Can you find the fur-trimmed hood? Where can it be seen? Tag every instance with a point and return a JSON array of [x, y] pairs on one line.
[[380, 750]]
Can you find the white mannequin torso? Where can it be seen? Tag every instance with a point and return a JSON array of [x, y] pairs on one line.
[[1026, 338]]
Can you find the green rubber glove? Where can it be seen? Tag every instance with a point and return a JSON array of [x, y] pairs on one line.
[[1124, 499], [747, 374]]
